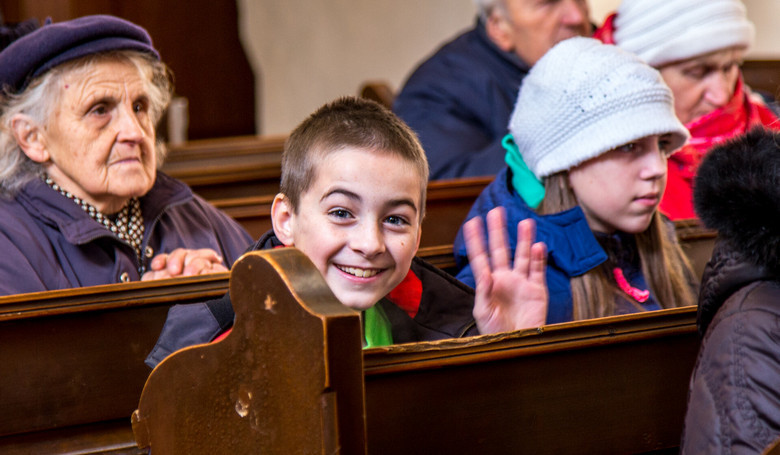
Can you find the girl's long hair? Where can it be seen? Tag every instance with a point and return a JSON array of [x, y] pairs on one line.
[[665, 267]]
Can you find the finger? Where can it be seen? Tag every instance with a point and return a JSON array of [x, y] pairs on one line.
[[213, 268], [497, 238], [196, 266], [159, 262], [473, 235], [176, 258], [483, 308], [209, 254], [154, 275], [525, 237], [538, 266]]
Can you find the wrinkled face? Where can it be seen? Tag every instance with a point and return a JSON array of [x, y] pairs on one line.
[[532, 27], [620, 190], [359, 222], [703, 84], [100, 139]]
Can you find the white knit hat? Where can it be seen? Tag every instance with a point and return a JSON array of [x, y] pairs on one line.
[[584, 98], [665, 31]]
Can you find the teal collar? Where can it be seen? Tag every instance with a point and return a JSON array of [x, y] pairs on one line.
[[524, 182]]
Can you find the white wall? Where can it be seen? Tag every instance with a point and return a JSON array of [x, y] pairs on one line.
[[307, 52]]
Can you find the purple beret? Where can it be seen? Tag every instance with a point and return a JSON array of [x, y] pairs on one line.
[[53, 44]]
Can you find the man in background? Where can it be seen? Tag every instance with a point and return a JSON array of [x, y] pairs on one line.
[[460, 99]]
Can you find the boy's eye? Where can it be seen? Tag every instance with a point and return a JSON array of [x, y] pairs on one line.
[[340, 213], [630, 147], [396, 220]]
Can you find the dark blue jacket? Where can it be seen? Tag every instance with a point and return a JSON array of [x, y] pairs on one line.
[[459, 102], [48, 242]]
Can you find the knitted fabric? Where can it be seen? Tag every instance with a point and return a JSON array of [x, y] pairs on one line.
[[584, 98], [666, 31], [54, 44]]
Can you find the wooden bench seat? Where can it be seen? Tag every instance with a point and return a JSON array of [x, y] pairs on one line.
[[610, 385], [73, 362]]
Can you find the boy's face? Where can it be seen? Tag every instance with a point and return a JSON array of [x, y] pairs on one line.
[[359, 223]]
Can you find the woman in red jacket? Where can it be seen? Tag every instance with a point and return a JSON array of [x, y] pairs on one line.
[[697, 47]]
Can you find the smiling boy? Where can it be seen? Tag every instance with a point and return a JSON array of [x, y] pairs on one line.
[[352, 199]]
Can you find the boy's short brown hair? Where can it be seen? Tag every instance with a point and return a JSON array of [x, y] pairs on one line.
[[347, 122]]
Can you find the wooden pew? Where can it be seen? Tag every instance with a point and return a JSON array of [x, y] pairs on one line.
[[77, 356], [610, 385], [762, 75], [73, 362], [697, 243], [228, 167]]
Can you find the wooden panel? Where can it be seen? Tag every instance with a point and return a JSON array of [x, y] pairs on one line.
[[609, 385], [615, 385], [198, 39], [287, 379], [763, 75], [76, 358], [228, 168]]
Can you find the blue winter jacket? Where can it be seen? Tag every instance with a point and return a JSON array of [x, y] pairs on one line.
[[48, 242], [459, 102], [571, 246]]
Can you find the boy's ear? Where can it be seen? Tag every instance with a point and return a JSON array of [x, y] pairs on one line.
[[283, 219], [29, 136]]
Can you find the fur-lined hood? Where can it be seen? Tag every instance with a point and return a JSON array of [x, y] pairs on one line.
[[737, 192]]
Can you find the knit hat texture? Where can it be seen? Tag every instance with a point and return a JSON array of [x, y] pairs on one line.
[[53, 44], [666, 31], [584, 98]]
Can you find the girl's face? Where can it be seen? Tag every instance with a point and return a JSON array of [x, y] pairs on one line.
[[620, 190]]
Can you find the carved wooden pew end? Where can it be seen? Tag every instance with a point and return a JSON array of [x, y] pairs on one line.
[[277, 383]]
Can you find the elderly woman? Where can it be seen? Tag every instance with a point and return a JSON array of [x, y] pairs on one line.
[[698, 47], [83, 203]]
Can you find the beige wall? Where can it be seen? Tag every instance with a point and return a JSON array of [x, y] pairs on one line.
[[307, 52]]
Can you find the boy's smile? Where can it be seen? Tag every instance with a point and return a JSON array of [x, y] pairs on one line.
[[359, 222]]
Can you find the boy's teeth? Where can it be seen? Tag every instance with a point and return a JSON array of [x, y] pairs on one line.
[[361, 273]]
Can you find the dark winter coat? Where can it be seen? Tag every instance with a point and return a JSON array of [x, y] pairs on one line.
[[48, 242], [734, 396], [459, 102], [431, 305]]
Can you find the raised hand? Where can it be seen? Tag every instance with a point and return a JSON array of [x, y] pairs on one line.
[[508, 296]]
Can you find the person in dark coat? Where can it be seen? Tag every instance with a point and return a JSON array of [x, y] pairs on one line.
[[81, 200], [352, 199], [459, 100], [734, 396]]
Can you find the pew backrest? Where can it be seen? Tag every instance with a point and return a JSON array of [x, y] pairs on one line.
[[73, 360], [609, 385], [287, 379]]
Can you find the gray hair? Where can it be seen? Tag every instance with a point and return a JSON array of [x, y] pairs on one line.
[[486, 7], [42, 95]]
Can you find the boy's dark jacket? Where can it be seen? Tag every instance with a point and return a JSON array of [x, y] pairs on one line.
[[428, 305], [734, 396]]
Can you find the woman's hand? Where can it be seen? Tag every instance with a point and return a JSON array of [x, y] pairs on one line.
[[184, 262], [507, 297]]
